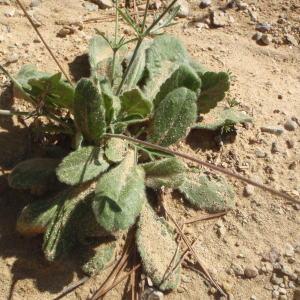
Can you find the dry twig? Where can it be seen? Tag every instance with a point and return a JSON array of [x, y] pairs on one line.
[[205, 217]]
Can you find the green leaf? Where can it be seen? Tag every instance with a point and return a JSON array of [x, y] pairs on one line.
[[82, 165], [214, 87], [36, 172], [135, 104], [61, 234], [99, 51], [138, 67], [220, 117], [168, 172], [163, 57], [197, 67], [184, 76], [203, 192], [158, 250], [120, 195], [116, 149], [88, 111], [101, 258], [173, 117], [35, 217]]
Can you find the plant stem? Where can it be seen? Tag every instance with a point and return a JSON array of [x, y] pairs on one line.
[[145, 16], [10, 113], [115, 43], [205, 164]]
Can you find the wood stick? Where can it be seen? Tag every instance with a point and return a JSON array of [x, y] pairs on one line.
[[206, 217], [44, 42]]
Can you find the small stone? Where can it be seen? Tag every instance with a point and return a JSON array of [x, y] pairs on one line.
[[36, 40], [253, 297], [290, 125], [219, 19], [67, 30], [10, 12], [14, 57], [250, 272], [184, 9], [276, 280], [291, 40], [266, 39], [104, 4], [249, 190], [275, 148], [237, 270], [292, 165], [260, 154], [212, 290], [290, 144], [272, 129], [275, 294], [291, 285], [152, 294], [205, 3], [90, 6], [263, 27], [286, 270], [289, 250], [241, 5], [257, 36], [34, 3], [282, 291]]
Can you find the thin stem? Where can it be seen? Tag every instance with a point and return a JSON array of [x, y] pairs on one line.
[[137, 47], [205, 164], [10, 113], [44, 42], [160, 17], [115, 43], [145, 16]]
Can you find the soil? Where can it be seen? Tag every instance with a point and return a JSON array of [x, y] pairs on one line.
[[259, 233]]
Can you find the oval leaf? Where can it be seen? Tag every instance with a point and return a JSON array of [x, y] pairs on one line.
[[168, 172], [173, 117], [36, 172], [120, 195], [207, 193], [158, 250], [116, 150], [89, 111], [82, 165]]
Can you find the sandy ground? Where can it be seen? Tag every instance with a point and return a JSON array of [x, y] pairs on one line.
[[266, 84]]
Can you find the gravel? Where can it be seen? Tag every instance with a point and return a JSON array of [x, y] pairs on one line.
[[266, 39], [184, 10], [272, 129], [250, 272], [249, 190], [205, 3], [263, 27], [290, 125]]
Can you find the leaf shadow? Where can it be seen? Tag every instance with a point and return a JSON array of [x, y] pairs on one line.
[[80, 67]]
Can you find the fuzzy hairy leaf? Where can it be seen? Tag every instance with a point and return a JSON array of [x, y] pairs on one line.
[[184, 76], [220, 117], [99, 51], [211, 194], [88, 111], [82, 165], [163, 57], [197, 67], [35, 217], [173, 117], [52, 89], [120, 195], [214, 87], [158, 250], [61, 234], [102, 256], [138, 67], [116, 150], [135, 104], [33, 173], [168, 172]]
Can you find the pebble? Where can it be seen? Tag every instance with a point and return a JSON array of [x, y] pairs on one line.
[[275, 294], [237, 270], [259, 153], [291, 40], [250, 272], [90, 6], [266, 39], [286, 270], [205, 3], [63, 32], [257, 36], [219, 19], [249, 190], [152, 294], [276, 280], [263, 27], [14, 57], [275, 148], [184, 10], [253, 297], [35, 3], [289, 250], [10, 12], [292, 165], [282, 291], [290, 125], [272, 129], [290, 144], [103, 4]]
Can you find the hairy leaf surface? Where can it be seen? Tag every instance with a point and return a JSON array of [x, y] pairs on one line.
[[214, 87], [220, 117], [168, 172], [33, 173], [120, 195], [173, 117], [82, 165], [116, 150], [158, 250], [184, 76], [89, 111], [203, 192]]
